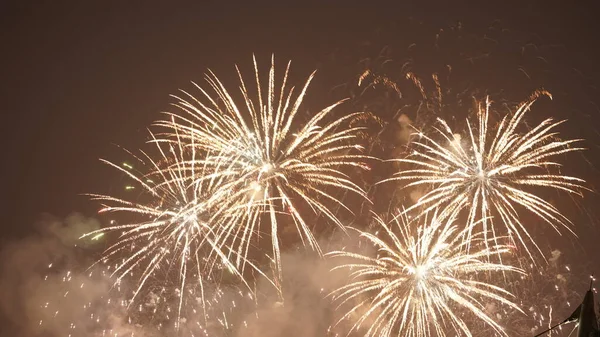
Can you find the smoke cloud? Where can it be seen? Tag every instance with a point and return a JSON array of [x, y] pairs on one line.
[[49, 289], [46, 288]]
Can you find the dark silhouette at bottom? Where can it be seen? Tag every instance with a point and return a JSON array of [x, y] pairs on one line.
[[584, 315]]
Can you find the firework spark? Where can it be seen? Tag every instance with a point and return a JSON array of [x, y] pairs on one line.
[[85, 304], [546, 293], [489, 174], [174, 243], [421, 282], [271, 159]]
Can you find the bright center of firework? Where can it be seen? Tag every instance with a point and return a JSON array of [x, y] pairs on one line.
[[254, 191], [266, 168], [190, 218], [482, 174], [420, 272], [255, 186]]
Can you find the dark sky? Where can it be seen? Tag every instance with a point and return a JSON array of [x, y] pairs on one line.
[[78, 76]]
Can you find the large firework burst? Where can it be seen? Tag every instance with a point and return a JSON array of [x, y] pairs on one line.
[[272, 159], [176, 216], [422, 282], [489, 172]]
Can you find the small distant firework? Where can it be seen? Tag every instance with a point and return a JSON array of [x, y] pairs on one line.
[[172, 238], [269, 158], [489, 173], [422, 282]]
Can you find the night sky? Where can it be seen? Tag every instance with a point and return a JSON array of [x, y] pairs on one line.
[[77, 77]]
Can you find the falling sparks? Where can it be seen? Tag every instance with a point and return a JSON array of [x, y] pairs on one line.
[[95, 311]]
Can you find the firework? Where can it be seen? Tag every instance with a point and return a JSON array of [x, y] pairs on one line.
[[489, 173], [270, 158], [422, 282], [171, 247]]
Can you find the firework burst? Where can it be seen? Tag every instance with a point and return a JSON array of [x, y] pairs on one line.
[[175, 241], [421, 283], [271, 158], [489, 173]]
